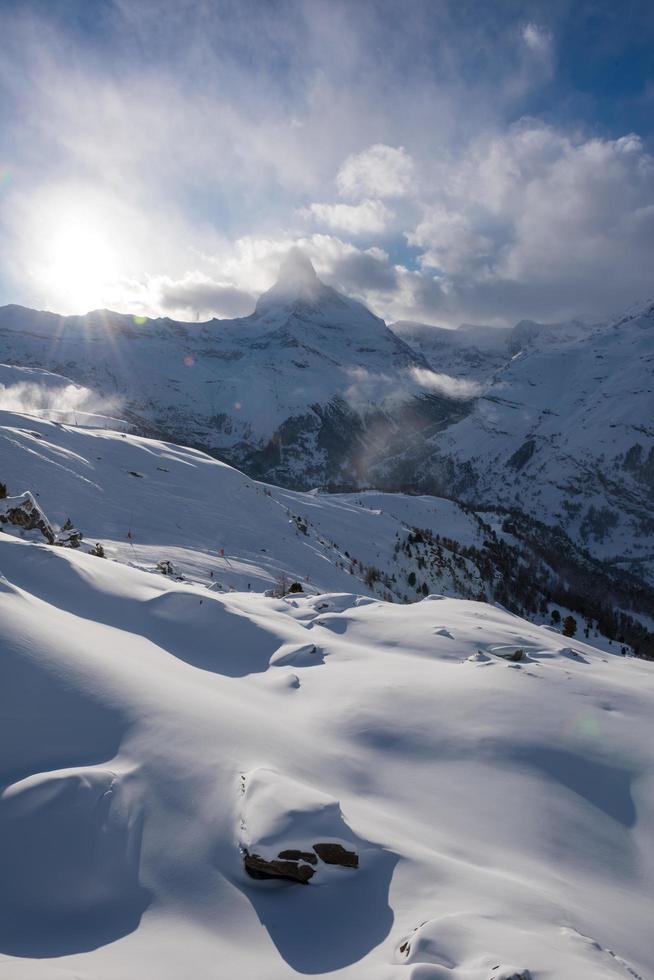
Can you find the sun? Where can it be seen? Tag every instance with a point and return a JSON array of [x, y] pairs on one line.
[[78, 249], [81, 262]]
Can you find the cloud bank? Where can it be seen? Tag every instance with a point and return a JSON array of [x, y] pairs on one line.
[[56, 402], [435, 162]]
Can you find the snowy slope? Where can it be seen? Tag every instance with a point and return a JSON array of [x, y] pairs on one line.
[[470, 351], [565, 432], [154, 732], [148, 501]]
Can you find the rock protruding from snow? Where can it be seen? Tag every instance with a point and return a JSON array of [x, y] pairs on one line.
[[286, 870], [24, 512], [294, 855], [337, 854], [279, 818]]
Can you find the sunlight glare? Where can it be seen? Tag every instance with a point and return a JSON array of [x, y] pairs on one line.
[[80, 262]]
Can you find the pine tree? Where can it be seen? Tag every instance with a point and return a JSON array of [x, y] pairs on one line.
[[569, 626]]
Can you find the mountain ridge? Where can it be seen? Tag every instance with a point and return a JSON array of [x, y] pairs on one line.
[[314, 389]]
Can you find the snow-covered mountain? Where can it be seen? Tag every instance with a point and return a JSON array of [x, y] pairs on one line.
[[565, 431], [300, 390], [469, 352], [466, 795], [312, 389]]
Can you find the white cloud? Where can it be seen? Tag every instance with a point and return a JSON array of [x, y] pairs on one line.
[[380, 171], [197, 294], [368, 217], [369, 387], [53, 398], [450, 243], [445, 384], [538, 222], [537, 38]]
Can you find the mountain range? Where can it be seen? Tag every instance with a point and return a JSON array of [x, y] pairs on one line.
[[312, 389]]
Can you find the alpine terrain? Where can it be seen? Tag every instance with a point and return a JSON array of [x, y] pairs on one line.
[[230, 746], [553, 422]]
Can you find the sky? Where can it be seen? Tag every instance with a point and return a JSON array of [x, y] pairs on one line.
[[444, 162]]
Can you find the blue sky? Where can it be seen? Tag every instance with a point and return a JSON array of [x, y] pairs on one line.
[[446, 162]]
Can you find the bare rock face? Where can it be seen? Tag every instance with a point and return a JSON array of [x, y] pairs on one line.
[[337, 854], [258, 867]]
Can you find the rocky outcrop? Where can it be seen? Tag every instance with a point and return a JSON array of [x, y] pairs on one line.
[[288, 865], [258, 867], [337, 854], [293, 855], [24, 512]]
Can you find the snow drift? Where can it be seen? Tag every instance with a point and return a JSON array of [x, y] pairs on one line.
[[500, 810]]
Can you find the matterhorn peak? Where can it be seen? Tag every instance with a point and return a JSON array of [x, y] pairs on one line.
[[296, 273], [296, 282]]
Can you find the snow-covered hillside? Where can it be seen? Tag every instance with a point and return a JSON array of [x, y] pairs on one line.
[[312, 389], [157, 736], [469, 352], [464, 794], [565, 431], [148, 502]]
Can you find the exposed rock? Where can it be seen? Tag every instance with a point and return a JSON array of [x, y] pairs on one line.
[[293, 855], [258, 867], [69, 536], [337, 854], [23, 511], [506, 654]]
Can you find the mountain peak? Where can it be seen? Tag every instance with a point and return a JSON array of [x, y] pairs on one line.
[[296, 281], [296, 273]]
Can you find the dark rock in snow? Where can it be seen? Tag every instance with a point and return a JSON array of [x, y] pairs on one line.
[[337, 854], [23, 511], [258, 867], [293, 855]]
